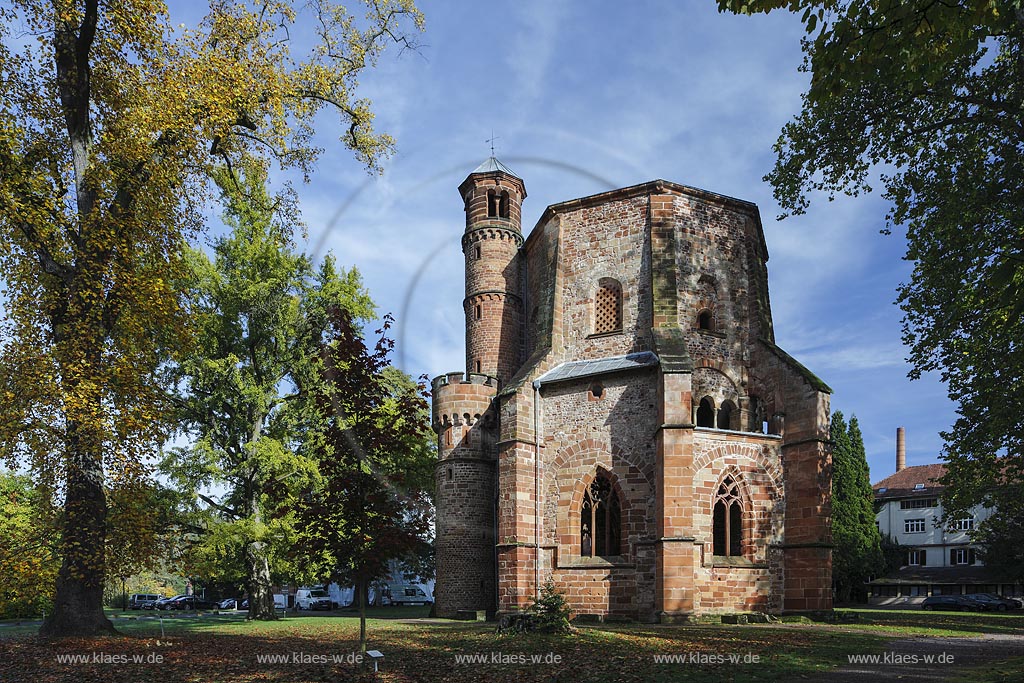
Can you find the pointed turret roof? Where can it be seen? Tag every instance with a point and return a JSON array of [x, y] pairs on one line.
[[489, 169], [491, 164]]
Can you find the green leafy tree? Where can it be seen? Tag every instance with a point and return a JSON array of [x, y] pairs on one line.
[[857, 553], [260, 309], [137, 531], [28, 547], [934, 90], [110, 119], [1001, 541], [373, 448]]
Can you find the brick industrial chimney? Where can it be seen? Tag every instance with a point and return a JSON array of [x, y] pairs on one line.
[[901, 448]]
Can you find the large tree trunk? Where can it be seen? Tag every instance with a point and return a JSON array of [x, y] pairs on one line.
[[78, 607], [261, 597]]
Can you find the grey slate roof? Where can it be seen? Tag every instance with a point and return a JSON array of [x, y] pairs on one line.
[[599, 366], [491, 165]]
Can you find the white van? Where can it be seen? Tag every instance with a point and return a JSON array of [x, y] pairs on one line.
[[280, 601], [312, 598], [405, 594]]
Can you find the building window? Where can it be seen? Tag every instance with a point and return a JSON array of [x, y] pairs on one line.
[[917, 558], [600, 519], [596, 391], [608, 306], [913, 526], [503, 205], [706, 412], [492, 204], [478, 252], [479, 312], [916, 503], [965, 524], [914, 591], [705, 320], [961, 556], [728, 520]]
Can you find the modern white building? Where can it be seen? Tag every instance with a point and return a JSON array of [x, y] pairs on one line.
[[940, 560]]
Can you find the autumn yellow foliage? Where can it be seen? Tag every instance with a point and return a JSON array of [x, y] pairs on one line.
[[110, 122]]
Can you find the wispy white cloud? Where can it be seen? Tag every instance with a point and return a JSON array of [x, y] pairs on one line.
[[587, 94]]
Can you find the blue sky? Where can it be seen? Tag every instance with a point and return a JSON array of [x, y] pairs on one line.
[[588, 96]]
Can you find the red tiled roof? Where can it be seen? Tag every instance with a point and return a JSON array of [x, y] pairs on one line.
[[902, 483]]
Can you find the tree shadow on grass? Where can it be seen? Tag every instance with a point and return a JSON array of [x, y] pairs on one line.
[[323, 649]]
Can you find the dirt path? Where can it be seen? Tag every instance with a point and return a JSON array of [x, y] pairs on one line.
[[928, 658]]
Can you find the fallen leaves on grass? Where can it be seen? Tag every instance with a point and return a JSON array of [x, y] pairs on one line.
[[301, 651]]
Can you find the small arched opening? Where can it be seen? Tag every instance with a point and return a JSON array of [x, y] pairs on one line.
[[706, 412], [726, 415], [608, 306], [503, 204], [705, 320]]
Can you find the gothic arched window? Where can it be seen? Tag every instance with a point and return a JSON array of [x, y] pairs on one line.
[[728, 519], [608, 306], [600, 519]]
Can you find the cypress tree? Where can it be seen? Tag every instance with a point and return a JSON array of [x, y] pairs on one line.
[[857, 551]]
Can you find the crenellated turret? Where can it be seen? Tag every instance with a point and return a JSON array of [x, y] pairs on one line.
[[465, 492]]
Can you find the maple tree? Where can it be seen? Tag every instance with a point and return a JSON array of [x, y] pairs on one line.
[[370, 437], [110, 120]]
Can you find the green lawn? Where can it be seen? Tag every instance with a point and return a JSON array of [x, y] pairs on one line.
[[227, 648], [928, 623]]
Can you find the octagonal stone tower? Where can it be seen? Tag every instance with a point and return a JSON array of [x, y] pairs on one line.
[[463, 414]]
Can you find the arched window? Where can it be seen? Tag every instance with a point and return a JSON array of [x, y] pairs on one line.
[[503, 205], [600, 519], [725, 414], [728, 519], [705, 320], [608, 306], [706, 413]]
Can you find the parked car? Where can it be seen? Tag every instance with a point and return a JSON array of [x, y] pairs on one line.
[[994, 602], [953, 603], [136, 600], [312, 598], [164, 603], [189, 602], [227, 603]]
